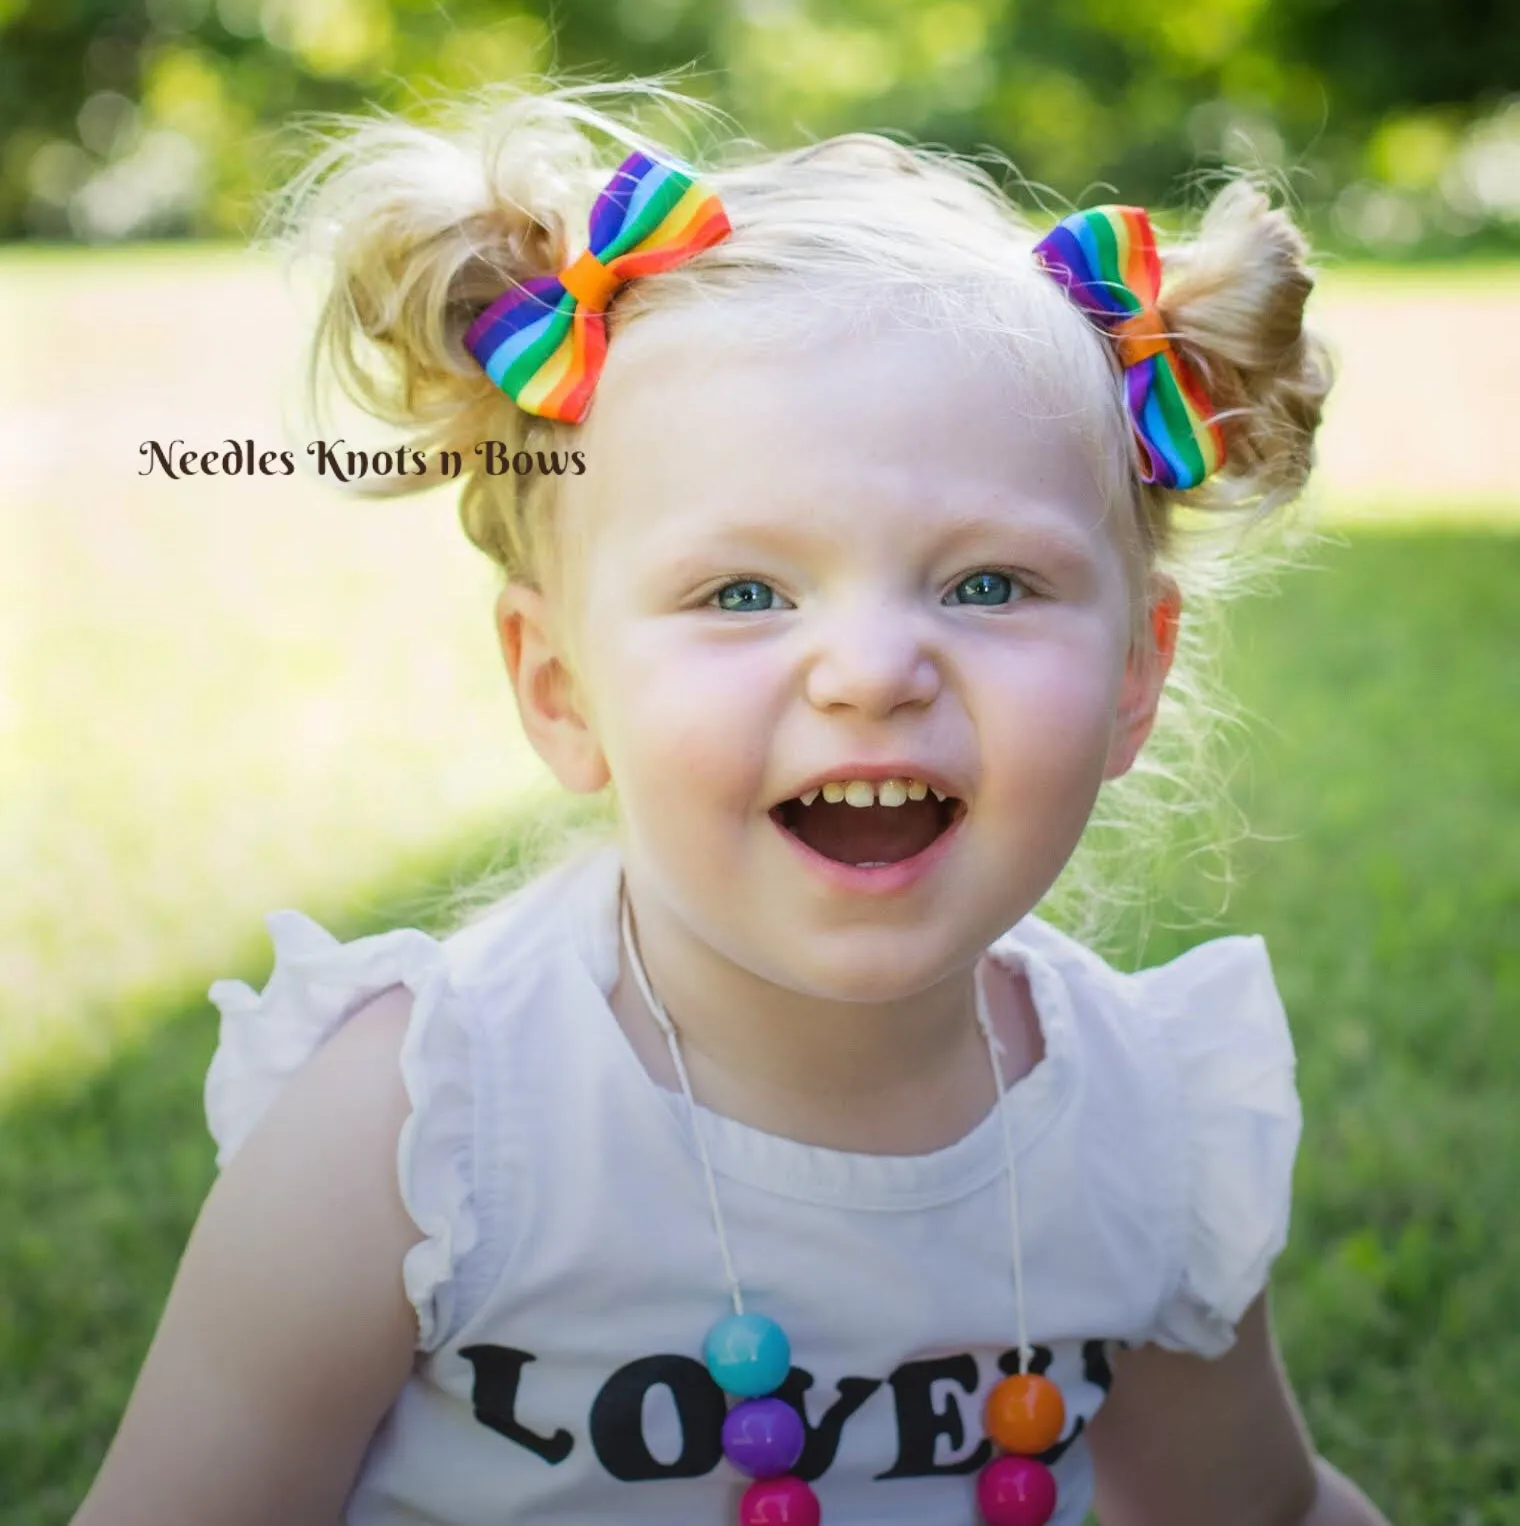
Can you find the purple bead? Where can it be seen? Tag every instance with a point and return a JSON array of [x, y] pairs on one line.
[[763, 1437]]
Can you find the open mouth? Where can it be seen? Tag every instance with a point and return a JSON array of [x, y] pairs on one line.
[[868, 835]]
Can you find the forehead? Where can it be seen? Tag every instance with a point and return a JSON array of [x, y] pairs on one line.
[[876, 433]]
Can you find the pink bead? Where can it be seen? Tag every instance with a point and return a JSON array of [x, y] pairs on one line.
[[1016, 1491], [785, 1501]]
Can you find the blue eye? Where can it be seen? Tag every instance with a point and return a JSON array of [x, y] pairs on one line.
[[746, 604], [992, 587]]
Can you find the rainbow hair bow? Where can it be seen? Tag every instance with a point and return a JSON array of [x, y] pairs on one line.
[[544, 342], [1106, 259]]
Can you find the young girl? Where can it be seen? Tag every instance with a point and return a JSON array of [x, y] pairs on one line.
[[770, 1161]]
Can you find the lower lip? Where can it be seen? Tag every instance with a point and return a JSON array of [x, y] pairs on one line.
[[885, 879]]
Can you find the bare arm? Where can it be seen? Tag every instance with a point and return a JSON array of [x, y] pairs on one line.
[[1182, 1441], [1339, 1502], [287, 1333]]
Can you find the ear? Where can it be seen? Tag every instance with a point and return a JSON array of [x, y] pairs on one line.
[[547, 698], [1144, 675]]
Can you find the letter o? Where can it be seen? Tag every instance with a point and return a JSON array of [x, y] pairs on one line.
[[617, 1419]]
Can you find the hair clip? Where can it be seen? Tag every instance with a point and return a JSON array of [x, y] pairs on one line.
[[1106, 260], [544, 342]]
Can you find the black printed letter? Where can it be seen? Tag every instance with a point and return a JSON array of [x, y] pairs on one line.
[[498, 1370], [617, 1419], [823, 1440], [919, 1424]]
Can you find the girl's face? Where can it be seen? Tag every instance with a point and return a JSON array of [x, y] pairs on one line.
[[798, 565]]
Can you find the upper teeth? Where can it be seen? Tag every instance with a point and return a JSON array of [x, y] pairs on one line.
[[864, 792]]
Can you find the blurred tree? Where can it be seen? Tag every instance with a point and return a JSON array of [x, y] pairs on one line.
[[136, 118], [1401, 53]]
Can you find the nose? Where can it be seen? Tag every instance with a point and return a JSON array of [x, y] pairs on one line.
[[872, 660]]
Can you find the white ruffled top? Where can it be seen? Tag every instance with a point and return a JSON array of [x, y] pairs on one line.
[[317, 984], [566, 1224]]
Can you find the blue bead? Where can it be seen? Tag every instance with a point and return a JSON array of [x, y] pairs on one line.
[[748, 1355]]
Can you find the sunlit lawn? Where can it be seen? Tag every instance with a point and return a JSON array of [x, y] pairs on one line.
[[222, 693], [198, 725]]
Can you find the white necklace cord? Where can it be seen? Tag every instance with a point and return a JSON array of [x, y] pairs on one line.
[[674, 1044], [994, 1051]]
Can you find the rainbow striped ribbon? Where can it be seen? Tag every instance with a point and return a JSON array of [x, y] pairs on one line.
[[544, 342], [1106, 259]]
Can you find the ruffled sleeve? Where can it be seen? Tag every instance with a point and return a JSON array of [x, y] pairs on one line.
[[317, 984], [1238, 1121]]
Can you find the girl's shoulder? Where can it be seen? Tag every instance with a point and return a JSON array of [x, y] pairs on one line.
[[459, 987], [1196, 1055], [1212, 1016]]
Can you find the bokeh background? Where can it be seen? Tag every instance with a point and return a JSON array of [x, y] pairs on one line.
[[218, 697]]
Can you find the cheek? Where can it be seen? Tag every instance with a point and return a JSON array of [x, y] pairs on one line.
[[692, 722], [1052, 708]]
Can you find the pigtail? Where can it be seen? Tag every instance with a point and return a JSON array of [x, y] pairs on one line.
[[1233, 301], [420, 228]]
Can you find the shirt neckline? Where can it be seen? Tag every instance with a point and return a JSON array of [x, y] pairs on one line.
[[809, 1173]]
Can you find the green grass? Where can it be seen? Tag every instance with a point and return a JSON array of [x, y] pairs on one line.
[[1387, 883], [190, 671], [1391, 906]]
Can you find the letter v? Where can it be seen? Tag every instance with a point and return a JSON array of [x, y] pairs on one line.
[[823, 1439]]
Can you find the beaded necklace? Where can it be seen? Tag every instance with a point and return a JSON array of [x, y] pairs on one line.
[[749, 1355]]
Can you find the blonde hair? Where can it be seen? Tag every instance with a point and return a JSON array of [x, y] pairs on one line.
[[426, 224]]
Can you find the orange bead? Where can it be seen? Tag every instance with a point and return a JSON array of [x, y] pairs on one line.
[[1025, 1414]]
